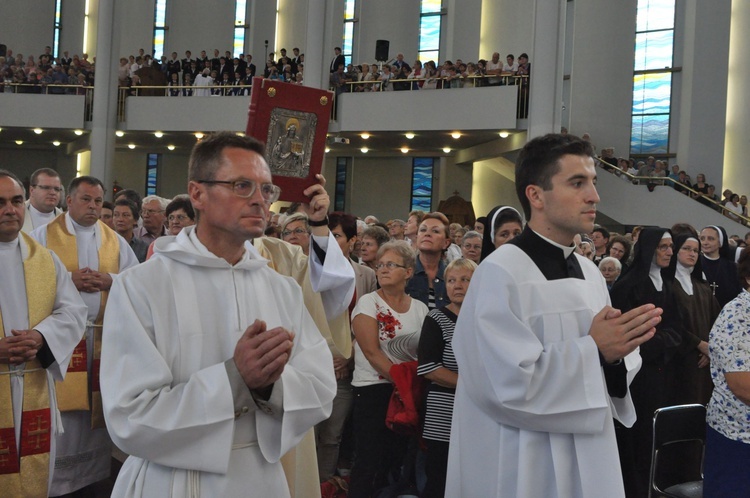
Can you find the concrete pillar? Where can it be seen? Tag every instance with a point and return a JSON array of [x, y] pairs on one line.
[[104, 119], [546, 57], [315, 76], [737, 145]]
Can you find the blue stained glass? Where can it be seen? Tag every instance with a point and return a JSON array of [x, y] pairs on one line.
[[240, 19], [431, 6], [655, 14], [652, 93], [348, 38], [429, 55], [56, 36], [422, 204], [152, 164], [158, 44], [239, 42], [349, 9], [653, 50], [340, 183], [421, 183], [429, 33], [160, 14], [240, 10], [650, 134]]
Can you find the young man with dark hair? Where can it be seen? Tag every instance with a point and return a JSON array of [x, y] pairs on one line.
[[600, 236], [544, 360]]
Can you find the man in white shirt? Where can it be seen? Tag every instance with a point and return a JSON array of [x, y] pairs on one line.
[[494, 68], [219, 369], [41, 320], [44, 196]]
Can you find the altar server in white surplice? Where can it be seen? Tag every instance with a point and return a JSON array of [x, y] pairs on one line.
[[544, 361], [42, 318], [94, 254], [215, 368]]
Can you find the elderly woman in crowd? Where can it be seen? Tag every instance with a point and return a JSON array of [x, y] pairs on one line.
[[438, 364], [433, 239], [372, 238], [611, 269], [386, 324], [619, 247], [504, 223], [296, 231], [180, 214], [471, 246], [728, 416]]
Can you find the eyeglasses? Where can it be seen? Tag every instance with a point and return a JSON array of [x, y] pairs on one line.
[[390, 265], [177, 217], [149, 212], [246, 188], [296, 231], [664, 247], [48, 187]]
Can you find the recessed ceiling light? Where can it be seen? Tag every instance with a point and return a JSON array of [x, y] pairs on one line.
[[364, 150], [198, 135], [504, 134], [158, 134], [456, 134], [409, 135], [56, 143], [38, 131], [131, 146], [404, 150], [19, 142], [446, 149], [120, 133], [170, 147], [78, 132], [328, 149], [365, 136], [240, 133]]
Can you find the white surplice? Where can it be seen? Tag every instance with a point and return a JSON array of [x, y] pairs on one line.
[[84, 454], [172, 397], [62, 330], [532, 415]]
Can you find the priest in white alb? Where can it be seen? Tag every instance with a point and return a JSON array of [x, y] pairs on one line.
[[93, 253], [216, 368], [41, 320], [544, 363]]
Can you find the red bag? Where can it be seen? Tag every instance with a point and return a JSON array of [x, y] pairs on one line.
[[402, 416]]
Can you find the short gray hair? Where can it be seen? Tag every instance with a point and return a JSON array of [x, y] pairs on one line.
[[610, 259], [471, 234], [163, 203], [295, 217], [402, 249]]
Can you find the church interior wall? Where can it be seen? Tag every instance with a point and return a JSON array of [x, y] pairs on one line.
[[23, 162], [505, 27], [394, 20], [462, 30], [292, 26], [197, 26], [71, 36], [136, 18], [27, 28], [493, 184]]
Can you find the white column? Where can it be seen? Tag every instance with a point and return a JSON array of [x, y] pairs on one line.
[[104, 119], [315, 45], [546, 57], [736, 144]]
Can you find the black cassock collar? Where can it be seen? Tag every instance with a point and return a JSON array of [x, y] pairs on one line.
[[550, 259]]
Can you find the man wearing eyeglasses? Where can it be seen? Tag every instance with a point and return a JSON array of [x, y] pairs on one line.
[[219, 369], [44, 196], [153, 216]]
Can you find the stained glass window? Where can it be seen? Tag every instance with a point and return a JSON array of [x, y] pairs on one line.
[[160, 23], [430, 20], [152, 168], [652, 87], [421, 183], [340, 195], [347, 46], [58, 26], [240, 27]]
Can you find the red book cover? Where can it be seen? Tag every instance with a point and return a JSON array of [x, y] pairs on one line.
[[292, 120]]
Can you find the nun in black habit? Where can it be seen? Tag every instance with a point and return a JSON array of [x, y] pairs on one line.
[[719, 267], [647, 281]]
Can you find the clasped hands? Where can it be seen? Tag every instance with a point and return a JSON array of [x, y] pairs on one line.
[[88, 280], [261, 354], [618, 334], [21, 347]]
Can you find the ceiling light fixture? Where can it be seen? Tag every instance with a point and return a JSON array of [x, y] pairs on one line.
[[131, 146], [446, 149], [456, 135], [56, 143], [19, 142], [328, 149], [504, 134], [158, 134], [364, 150], [365, 136], [170, 147], [120, 133], [38, 131], [409, 135], [78, 132], [404, 150], [198, 135], [240, 133]]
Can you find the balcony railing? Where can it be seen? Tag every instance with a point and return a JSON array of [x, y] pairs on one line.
[[50, 89]]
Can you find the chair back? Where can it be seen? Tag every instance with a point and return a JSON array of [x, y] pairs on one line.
[[675, 424]]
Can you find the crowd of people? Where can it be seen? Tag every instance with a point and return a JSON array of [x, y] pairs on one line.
[[46, 73]]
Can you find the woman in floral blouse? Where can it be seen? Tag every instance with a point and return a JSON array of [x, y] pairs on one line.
[[386, 325], [728, 417]]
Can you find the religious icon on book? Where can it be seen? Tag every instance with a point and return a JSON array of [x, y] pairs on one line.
[[292, 134]]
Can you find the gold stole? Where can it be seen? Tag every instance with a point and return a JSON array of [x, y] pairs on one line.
[[73, 392], [28, 476]]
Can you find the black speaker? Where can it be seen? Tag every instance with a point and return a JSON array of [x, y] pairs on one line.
[[3, 50], [381, 50]]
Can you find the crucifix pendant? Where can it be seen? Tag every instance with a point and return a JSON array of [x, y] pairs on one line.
[[713, 286]]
